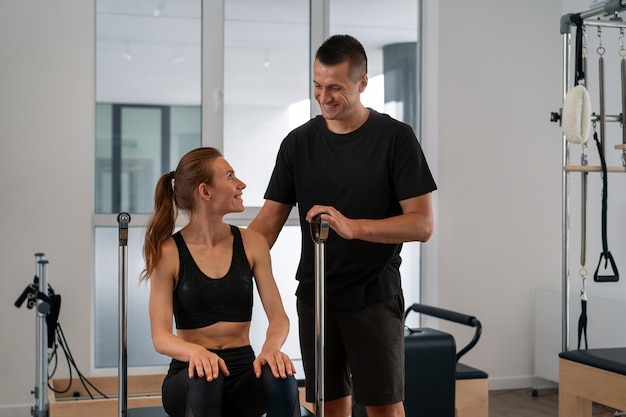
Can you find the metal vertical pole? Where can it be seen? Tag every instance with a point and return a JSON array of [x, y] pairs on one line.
[[123, 220], [319, 234], [565, 208], [41, 372]]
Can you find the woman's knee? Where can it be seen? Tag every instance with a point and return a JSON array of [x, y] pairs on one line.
[[282, 395], [205, 394], [278, 386]]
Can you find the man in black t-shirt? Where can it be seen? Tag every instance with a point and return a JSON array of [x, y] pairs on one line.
[[366, 175]]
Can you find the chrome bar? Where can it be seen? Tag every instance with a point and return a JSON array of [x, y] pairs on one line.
[[123, 220], [319, 234], [41, 373], [565, 186]]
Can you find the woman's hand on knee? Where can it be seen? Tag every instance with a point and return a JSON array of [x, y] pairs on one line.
[[280, 364], [206, 364]]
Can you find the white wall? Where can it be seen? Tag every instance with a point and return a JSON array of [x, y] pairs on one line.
[[497, 76], [492, 81], [46, 178]]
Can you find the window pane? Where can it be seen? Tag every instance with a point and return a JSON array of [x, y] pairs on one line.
[[140, 349], [266, 82], [148, 90], [148, 52], [135, 145]]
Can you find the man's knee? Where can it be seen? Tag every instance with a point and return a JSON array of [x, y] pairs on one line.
[[341, 407], [391, 410]]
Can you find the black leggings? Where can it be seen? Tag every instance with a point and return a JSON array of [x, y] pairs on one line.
[[241, 394]]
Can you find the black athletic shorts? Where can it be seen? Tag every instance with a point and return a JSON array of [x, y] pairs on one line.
[[364, 352]]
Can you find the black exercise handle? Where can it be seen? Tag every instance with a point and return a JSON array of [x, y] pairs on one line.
[[608, 258], [442, 313], [319, 229], [20, 300], [453, 316], [29, 292]]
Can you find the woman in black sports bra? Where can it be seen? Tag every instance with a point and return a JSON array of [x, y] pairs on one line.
[[201, 278]]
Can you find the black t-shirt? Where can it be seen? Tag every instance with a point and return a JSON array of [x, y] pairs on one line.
[[363, 174]]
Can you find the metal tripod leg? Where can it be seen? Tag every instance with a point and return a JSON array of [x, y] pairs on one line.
[[319, 234]]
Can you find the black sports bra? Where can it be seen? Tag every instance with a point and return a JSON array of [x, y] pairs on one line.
[[200, 301]]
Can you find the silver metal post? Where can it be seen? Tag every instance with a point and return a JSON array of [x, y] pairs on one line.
[[122, 376], [41, 373], [319, 234], [565, 205]]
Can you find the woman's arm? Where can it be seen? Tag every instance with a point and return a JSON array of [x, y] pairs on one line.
[[162, 283], [258, 253]]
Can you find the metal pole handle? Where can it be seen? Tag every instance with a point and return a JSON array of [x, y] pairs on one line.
[[41, 373], [319, 234], [123, 220]]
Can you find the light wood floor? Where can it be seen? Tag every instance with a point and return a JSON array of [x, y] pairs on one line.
[[522, 403]]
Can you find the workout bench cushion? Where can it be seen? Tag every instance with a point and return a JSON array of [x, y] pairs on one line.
[[592, 375], [609, 359], [467, 372]]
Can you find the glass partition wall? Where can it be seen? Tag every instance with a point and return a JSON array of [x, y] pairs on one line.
[[155, 101]]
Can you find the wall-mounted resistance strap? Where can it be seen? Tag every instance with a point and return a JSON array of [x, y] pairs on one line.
[[613, 275], [622, 53], [582, 320], [580, 72]]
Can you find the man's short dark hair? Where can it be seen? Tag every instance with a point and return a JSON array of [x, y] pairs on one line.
[[341, 48]]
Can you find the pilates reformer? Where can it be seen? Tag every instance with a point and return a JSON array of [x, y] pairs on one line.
[[589, 375]]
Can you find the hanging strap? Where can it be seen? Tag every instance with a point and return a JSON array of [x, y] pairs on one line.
[[622, 53], [582, 323], [582, 320], [580, 72], [613, 275]]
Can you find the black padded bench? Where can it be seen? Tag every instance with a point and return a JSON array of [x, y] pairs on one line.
[[471, 385], [591, 375], [472, 392], [438, 374]]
